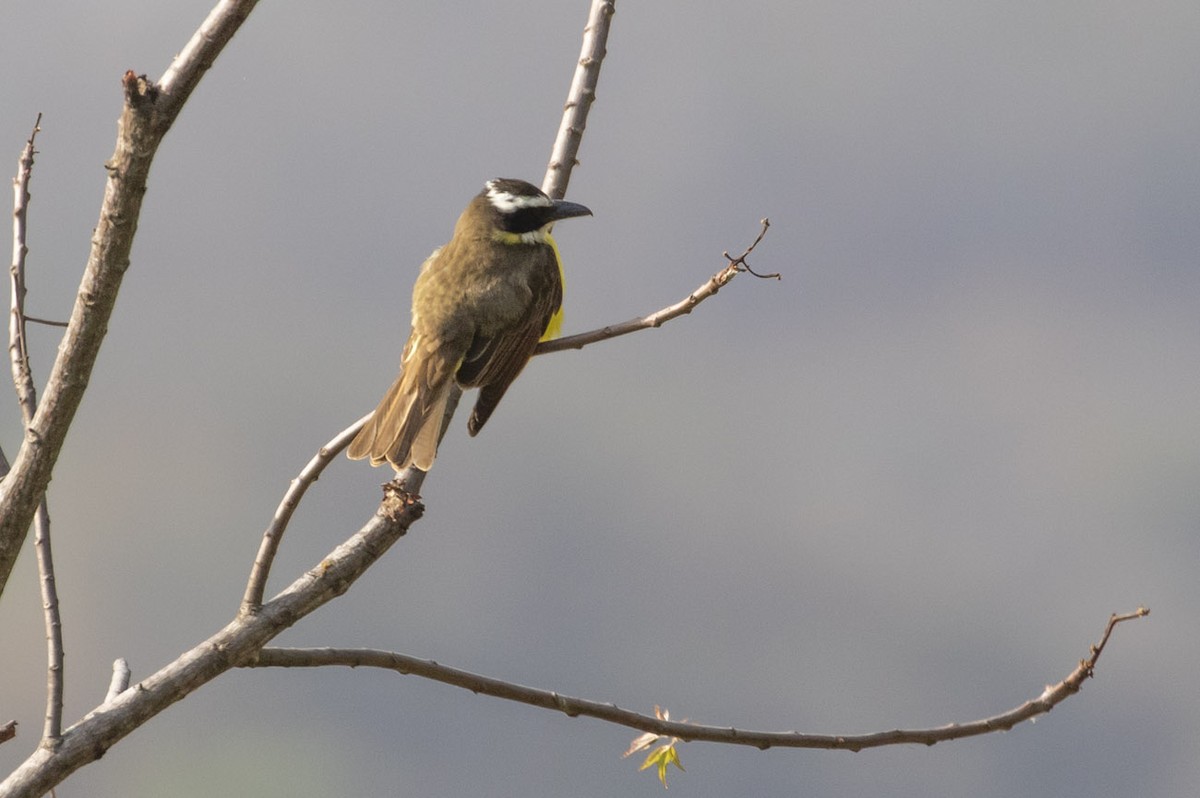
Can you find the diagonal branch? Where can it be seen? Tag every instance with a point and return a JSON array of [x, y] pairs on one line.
[[573, 707], [187, 68], [257, 585]]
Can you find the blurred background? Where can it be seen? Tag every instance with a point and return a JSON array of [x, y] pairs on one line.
[[904, 486]]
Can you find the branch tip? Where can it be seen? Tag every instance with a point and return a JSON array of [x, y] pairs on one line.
[[1113, 620], [741, 265]]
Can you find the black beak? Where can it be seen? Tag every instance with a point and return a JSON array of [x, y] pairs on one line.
[[565, 210]]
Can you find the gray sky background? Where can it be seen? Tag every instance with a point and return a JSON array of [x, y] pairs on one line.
[[905, 486]]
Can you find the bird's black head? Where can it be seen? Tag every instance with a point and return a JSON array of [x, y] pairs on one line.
[[519, 207]]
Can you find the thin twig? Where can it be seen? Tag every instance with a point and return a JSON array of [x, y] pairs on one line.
[[22, 372], [47, 322], [55, 675], [322, 657], [18, 349], [1113, 620], [8, 731], [659, 317], [741, 262], [256, 586]]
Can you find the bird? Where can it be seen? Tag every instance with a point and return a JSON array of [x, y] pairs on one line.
[[481, 304]]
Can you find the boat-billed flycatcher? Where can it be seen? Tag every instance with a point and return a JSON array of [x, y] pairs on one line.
[[480, 306]]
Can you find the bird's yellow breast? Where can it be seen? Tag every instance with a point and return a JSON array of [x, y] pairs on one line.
[[555, 326]]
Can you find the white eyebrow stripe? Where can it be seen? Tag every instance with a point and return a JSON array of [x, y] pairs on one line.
[[505, 202]]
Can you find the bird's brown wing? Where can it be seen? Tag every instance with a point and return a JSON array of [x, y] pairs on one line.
[[493, 362]]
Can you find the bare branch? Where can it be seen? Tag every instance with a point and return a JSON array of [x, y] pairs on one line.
[[273, 536], [660, 317], [22, 373], [252, 600], [580, 96], [1113, 620], [321, 657], [185, 72], [8, 731], [743, 264], [148, 114], [48, 322], [55, 675], [18, 349]]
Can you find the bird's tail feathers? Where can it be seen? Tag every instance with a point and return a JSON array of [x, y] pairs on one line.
[[424, 445], [404, 429]]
